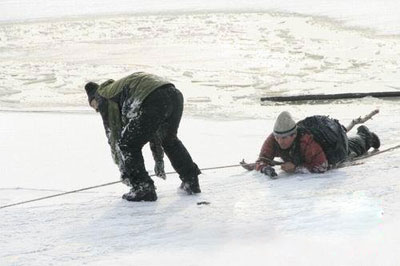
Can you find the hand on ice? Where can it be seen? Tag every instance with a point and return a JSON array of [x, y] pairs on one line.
[[269, 171]]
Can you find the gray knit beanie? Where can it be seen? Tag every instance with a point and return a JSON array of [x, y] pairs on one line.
[[284, 125]]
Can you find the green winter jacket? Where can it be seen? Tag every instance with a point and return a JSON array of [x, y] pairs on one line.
[[136, 87], [140, 86]]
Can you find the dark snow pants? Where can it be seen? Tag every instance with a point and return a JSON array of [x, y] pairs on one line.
[[159, 114], [358, 145]]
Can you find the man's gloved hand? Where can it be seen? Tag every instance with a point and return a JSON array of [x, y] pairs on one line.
[[159, 169], [269, 171]]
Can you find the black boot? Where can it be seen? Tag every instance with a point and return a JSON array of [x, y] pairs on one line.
[[141, 192], [190, 180], [191, 185], [371, 138]]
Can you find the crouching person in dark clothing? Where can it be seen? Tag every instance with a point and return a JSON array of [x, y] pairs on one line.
[[314, 145], [138, 109]]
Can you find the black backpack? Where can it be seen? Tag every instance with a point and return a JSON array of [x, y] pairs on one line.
[[328, 133]]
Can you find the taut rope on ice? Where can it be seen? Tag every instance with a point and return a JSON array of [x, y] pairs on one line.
[[203, 169]]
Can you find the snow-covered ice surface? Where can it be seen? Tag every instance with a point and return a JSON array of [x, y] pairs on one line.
[[380, 15], [223, 62], [347, 216]]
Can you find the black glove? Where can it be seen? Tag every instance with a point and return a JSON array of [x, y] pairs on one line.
[[159, 169], [269, 171]]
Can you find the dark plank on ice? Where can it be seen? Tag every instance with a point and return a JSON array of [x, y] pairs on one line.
[[331, 96]]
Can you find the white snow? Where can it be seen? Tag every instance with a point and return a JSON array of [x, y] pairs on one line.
[[347, 216], [380, 15], [134, 109], [223, 62]]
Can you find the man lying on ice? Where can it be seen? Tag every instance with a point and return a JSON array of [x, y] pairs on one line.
[[314, 144]]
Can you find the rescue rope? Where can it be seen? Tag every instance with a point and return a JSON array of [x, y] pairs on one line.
[[203, 169], [102, 185]]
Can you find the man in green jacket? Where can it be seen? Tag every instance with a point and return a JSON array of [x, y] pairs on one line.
[[138, 109]]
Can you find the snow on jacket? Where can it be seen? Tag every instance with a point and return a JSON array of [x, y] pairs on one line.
[[120, 100], [304, 152]]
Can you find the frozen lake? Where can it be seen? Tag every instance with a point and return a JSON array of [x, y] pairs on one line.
[[224, 56], [347, 216]]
